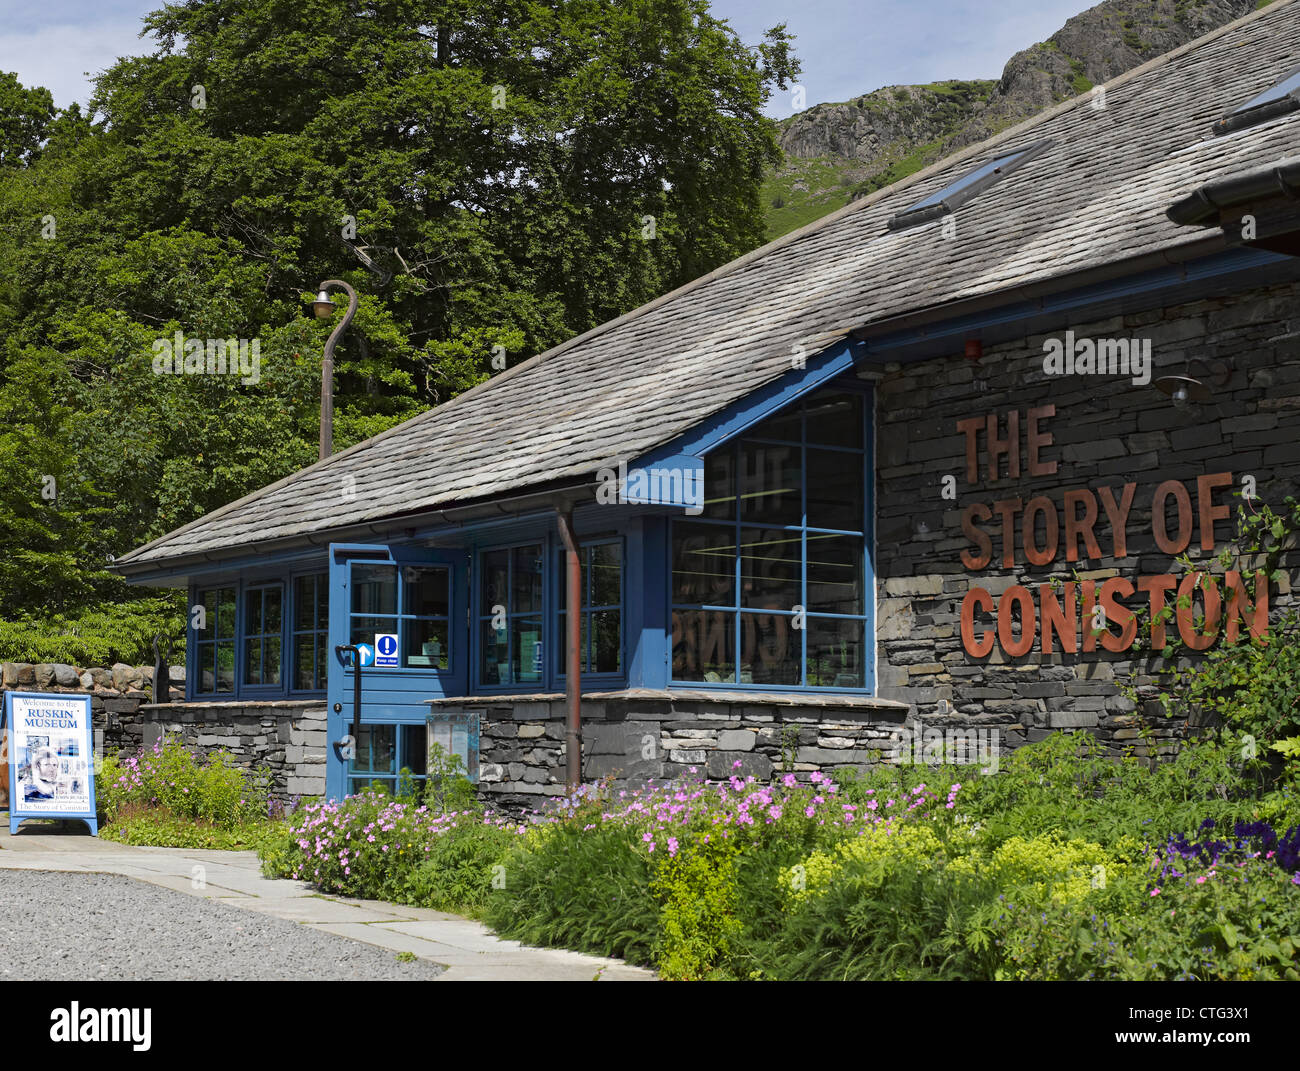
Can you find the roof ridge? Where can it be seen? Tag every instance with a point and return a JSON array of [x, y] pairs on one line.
[[739, 263]]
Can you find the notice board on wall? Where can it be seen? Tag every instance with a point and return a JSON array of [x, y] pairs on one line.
[[50, 758]]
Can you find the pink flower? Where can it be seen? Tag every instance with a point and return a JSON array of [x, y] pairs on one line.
[[1155, 892]]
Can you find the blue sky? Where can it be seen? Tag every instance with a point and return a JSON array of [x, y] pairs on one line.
[[847, 46]]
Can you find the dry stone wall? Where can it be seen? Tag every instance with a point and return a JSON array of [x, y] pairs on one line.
[[288, 737]]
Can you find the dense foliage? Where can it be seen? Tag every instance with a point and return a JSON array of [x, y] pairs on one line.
[[165, 796], [488, 175], [1067, 864]]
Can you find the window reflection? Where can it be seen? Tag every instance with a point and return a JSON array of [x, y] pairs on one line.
[[781, 544]]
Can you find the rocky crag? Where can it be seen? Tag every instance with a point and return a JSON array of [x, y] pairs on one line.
[[836, 152]]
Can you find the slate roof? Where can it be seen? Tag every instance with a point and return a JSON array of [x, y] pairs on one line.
[[1097, 196]]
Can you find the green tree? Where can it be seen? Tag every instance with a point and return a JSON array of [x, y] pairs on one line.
[[501, 174], [25, 118]]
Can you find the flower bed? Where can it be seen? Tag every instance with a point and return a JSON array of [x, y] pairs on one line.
[[1066, 865], [164, 796]]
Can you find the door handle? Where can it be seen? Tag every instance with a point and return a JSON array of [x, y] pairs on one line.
[[350, 743]]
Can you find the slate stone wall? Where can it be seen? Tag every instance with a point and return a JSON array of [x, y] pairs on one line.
[[287, 737], [635, 737], [1107, 431]]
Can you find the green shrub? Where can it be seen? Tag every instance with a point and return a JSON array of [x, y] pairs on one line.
[[99, 636], [446, 788], [459, 870], [382, 847], [163, 831], [1227, 923], [699, 919], [584, 889], [169, 781], [882, 915], [1068, 784]]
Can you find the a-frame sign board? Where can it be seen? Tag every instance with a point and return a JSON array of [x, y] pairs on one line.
[[51, 758]]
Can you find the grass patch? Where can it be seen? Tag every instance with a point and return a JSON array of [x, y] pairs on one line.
[[140, 825]]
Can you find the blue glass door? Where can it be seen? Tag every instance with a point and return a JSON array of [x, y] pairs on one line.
[[405, 609]]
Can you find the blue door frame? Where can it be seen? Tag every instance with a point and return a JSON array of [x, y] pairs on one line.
[[395, 695]]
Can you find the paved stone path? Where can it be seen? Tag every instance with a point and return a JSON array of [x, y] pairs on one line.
[[466, 948]]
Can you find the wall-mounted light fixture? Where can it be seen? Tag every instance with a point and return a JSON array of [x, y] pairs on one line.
[[323, 306], [1186, 390]]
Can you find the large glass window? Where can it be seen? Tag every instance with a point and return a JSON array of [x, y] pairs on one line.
[[310, 633], [214, 642], [769, 583], [263, 635], [601, 646], [409, 601], [510, 616]]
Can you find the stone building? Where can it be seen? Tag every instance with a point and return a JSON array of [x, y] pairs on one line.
[[914, 465]]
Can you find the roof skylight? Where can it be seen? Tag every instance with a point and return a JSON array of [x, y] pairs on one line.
[[970, 185], [1278, 99]]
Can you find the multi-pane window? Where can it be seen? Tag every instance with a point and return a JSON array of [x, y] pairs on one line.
[[382, 751], [510, 615], [263, 635], [408, 601], [601, 645], [214, 642], [309, 641], [769, 583]]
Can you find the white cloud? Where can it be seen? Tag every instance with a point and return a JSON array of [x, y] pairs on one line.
[[64, 57]]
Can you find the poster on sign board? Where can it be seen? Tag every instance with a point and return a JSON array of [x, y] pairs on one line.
[[50, 758]]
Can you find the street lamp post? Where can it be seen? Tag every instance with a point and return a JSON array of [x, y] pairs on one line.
[[324, 308]]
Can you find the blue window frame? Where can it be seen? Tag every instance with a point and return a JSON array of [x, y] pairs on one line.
[[511, 617], [601, 651], [383, 750], [259, 637], [215, 642], [263, 644], [770, 586], [309, 635], [410, 601]]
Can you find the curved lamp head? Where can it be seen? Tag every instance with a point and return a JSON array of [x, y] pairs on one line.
[[1183, 390], [323, 306]]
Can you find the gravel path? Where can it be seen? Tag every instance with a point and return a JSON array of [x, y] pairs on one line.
[[83, 927]]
